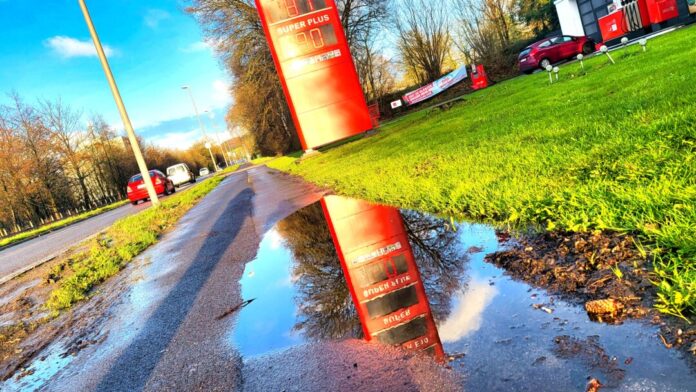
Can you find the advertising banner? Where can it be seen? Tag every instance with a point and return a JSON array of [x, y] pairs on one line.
[[436, 87]]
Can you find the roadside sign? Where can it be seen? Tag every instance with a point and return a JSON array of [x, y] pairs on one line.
[[396, 104], [432, 89], [316, 70]]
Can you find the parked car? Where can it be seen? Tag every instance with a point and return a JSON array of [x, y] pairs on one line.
[[204, 172], [552, 50], [136, 186], [180, 174]]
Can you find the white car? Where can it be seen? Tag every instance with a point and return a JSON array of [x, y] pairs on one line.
[[180, 174], [204, 172]]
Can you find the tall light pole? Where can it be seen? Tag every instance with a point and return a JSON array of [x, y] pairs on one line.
[[121, 107], [200, 123], [222, 149], [241, 141]]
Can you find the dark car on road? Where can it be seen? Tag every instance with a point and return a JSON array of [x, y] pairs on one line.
[[136, 186], [552, 50]]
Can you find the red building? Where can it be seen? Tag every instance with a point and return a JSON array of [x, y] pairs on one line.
[[610, 20]]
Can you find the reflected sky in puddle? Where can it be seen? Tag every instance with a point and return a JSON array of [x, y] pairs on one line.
[[468, 308], [38, 373], [301, 296], [268, 280]]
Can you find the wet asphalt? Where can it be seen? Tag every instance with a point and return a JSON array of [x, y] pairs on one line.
[[167, 330]]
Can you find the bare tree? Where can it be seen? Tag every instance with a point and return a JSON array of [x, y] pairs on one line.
[[364, 22], [14, 171], [64, 125], [424, 40], [40, 148], [234, 29], [487, 32]]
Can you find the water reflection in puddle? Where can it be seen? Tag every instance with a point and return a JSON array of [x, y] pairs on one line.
[[509, 341], [266, 325]]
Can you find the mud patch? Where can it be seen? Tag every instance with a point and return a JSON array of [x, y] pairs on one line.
[[593, 269], [590, 266], [28, 327], [591, 354]]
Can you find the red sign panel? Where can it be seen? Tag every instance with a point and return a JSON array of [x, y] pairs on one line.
[[316, 69], [382, 274], [662, 10]]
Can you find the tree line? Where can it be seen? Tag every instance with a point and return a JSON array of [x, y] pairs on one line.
[[396, 46], [53, 164]]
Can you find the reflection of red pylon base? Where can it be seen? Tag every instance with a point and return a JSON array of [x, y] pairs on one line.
[[479, 79], [382, 275]]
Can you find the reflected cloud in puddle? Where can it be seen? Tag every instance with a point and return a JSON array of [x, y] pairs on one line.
[[466, 316]]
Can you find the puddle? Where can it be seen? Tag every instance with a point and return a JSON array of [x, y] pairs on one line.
[[501, 334], [39, 373]]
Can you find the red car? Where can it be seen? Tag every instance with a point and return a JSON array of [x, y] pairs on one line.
[[136, 186], [552, 50]]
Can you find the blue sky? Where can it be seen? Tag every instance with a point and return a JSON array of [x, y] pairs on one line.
[[153, 46]]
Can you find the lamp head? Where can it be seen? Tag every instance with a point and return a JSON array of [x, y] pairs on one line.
[[624, 40], [580, 56], [549, 68], [643, 42], [604, 49], [556, 69]]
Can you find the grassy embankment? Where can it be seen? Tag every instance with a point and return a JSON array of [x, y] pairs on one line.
[[261, 160], [119, 244], [613, 149], [59, 224]]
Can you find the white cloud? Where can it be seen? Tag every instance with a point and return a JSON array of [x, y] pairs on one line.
[[72, 47], [221, 92], [466, 317], [199, 46], [177, 140], [154, 17]]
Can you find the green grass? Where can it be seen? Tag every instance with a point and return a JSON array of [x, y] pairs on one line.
[[118, 245], [59, 224], [613, 149], [261, 160]]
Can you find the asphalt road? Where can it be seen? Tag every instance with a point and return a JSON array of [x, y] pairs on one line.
[[47, 246], [161, 324]]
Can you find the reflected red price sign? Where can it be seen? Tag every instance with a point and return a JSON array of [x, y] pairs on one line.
[[382, 274], [316, 69]]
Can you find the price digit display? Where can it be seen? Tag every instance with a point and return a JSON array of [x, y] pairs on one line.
[[285, 9], [291, 7], [306, 42], [317, 38]]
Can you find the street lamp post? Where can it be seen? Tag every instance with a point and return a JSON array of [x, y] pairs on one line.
[[217, 138], [200, 123], [121, 107], [241, 141]]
